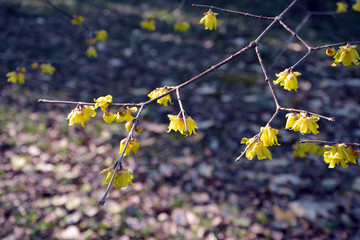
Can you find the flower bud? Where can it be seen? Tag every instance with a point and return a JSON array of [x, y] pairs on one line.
[[330, 51]]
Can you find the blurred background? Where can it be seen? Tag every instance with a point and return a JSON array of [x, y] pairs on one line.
[[185, 187]]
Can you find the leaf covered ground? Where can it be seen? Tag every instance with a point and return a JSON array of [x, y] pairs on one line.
[[185, 188]]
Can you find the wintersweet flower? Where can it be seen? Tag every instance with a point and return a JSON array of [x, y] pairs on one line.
[[356, 6], [288, 79], [209, 20], [256, 149], [101, 35], [177, 124], [47, 68], [80, 115], [302, 149], [148, 24], [330, 51], [158, 92], [307, 124], [91, 52], [129, 125], [341, 7], [35, 65], [346, 55], [124, 114], [181, 26], [268, 136], [17, 76], [121, 179], [339, 153], [77, 20], [103, 102], [133, 145], [109, 117], [291, 120]]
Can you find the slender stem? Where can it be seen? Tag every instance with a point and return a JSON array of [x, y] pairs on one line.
[[295, 34], [119, 162], [327, 142], [87, 103], [182, 110], [334, 45], [301, 59], [330, 119], [232, 11]]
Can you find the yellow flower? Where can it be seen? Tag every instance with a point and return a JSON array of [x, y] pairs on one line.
[[133, 145], [47, 68], [158, 92], [35, 66], [101, 35], [91, 52], [109, 117], [103, 102], [330, 51], [124, 114], [81, 114], [291, 120], [181, 26], [288, 79], [257, 149], [341, 7], [306, 124], [77, 20], [129, 125], [121, 179], [16, 77], [347, 55], [356, 6], [339, 153], [302, 149], [148, 24], [209, 20], [177, 124], [268, 136]]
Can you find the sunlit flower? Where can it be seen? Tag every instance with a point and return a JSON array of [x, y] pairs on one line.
[[291, 120], [330, 51], [158, 92], [47, 68], [306, 124], [288, 79], [181, 26], [103, 102], [17, 76], [80, 115], [133, 145], [124, 114], [341, 7], [346, 55], [256, 149], [77, 20], [91, 52], [268, 136], [109, 117], [177, 124], [302, 149], [101, 35], [356, 6], [148, 24], [339, 153], [129, 125], [121, 179], [209, 20], [35, 65]]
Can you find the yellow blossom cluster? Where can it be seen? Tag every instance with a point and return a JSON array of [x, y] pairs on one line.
[[81, 114], [288, 79], [346, 55], [100, 35], [77, 20], [181, 26], [148, 23], [302, 122], [341, 7], [209, 20], [157, 93], [121, 178], [47, 68], [177, 124], [302, 149], [340, 153], [17, 76], [356, 6]]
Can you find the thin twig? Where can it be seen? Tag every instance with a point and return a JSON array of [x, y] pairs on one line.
[[327, 142], [87, 103], [330, 119], [295, 35], [182, 110], [232, 11]]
